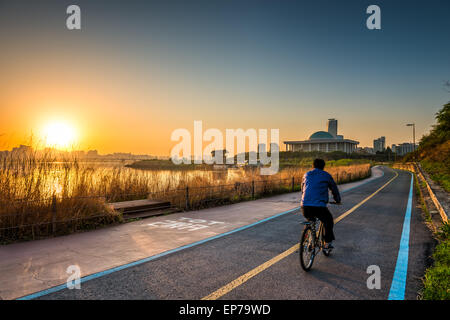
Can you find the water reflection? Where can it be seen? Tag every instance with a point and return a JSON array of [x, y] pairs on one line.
[[66, 179]]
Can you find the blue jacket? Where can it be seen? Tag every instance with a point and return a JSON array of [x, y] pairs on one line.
[[315, 187]]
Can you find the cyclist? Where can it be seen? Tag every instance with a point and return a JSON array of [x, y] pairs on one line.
[[315, 187]]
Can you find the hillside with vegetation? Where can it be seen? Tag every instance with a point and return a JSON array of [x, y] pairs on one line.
[[433, 152]]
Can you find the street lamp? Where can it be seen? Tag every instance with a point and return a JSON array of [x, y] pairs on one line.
[[413, 125]]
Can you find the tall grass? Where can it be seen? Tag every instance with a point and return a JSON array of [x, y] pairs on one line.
[[439, 172], [249, 184], [437, 277], [41, 195]]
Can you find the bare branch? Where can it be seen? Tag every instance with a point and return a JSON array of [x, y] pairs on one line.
[[447, 85]]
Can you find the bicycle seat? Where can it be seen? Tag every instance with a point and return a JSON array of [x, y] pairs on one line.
[[309, 221]]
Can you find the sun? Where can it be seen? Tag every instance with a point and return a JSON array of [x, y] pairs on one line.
[[59, 135]]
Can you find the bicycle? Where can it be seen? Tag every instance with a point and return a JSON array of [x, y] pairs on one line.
[[312, 243]]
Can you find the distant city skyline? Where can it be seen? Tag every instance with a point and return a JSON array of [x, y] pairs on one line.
[[400, 148], [48, 151], [138, 70]]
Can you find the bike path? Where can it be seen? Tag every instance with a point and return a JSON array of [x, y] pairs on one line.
[[370, 236], [195, 272]]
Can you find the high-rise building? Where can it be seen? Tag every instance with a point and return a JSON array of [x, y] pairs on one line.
[[403, 148], [262, 148], [332, 127], [379, 144]]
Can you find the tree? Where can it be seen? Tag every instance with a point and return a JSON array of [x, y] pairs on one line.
[[441, 130]]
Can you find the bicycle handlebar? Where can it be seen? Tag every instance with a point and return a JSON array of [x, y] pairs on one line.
[[336, 203]]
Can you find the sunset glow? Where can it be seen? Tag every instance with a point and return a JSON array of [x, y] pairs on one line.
[[59, 135]]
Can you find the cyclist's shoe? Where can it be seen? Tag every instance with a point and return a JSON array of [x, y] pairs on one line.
[[328, 246]]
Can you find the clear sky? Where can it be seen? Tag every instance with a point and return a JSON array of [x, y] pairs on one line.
[[137, 70]]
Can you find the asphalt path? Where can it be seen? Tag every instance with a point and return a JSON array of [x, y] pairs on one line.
[[369, 236]]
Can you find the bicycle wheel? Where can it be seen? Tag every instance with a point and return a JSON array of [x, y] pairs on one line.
[[307, 249]]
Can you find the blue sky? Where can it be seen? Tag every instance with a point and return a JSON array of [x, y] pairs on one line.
[[252, 64]]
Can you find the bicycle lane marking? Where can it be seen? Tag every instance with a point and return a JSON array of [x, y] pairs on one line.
[[398, 285], [247, 276], [159, 255]]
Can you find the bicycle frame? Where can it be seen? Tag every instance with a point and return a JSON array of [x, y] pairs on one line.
[[317, 235], [315, 243]]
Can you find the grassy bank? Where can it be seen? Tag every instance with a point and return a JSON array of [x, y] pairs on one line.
[[156, 164], [437, 277], [306, 162], [439, 172], [434, 149]]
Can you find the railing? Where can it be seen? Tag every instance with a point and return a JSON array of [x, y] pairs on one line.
[[415, 168], [433, 197], [404, 166]]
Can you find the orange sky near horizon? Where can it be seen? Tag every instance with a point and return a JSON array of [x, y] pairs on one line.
[[140, 119], [110, 116]]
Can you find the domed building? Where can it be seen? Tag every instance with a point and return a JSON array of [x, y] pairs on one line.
[[325, 141], [321, 135]]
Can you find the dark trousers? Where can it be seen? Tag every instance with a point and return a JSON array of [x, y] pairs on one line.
[[324, 215]]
